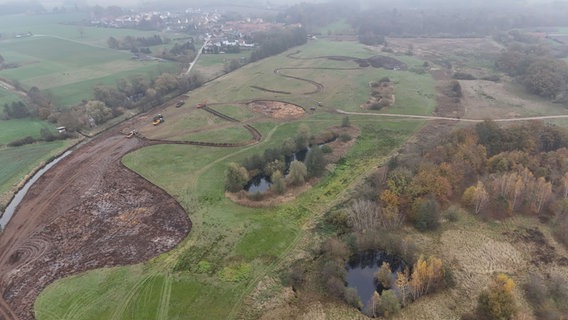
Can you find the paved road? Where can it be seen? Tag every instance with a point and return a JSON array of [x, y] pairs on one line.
[[409, 116], [196, 57]]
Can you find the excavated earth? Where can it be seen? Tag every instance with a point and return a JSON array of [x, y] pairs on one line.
[[87, 212]]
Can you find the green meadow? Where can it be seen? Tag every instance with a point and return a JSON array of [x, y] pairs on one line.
[[232, 248]]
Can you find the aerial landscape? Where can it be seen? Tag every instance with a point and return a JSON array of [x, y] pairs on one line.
[[279, 159]]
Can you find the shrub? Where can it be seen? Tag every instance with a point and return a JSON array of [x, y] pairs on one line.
[[384, 275], [498, 301], [389, 303], [345, 122], [352, 298], [452, 213], [426, 215], [326, 149], [204, 267], [297, 174], [278, 183], [345, 137], [21, 142], [235, 177]]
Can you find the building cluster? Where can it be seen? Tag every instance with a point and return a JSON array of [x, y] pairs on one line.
[[210, 25]]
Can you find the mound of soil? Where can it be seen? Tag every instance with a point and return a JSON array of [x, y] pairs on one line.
[[387, 63], [277, 109]]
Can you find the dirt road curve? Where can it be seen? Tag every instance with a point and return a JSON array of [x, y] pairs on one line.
[[407, 116], [87, 212]]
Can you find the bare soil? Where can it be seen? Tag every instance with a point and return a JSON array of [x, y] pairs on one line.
[[278, 109], [87, 212]]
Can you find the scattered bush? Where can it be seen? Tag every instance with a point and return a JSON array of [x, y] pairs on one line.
[[384, 275], [345, 137], [426, 215], [235, 177], [21, 142], [498, 301], [547, 296], [326, 149], [352, 298], [345, 122]]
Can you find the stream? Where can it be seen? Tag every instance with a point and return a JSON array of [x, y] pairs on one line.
[[11, 208]]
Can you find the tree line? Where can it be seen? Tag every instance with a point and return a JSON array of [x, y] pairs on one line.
[[535, 66], [277, 41]]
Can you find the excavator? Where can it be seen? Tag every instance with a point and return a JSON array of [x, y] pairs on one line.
[[158, 119]]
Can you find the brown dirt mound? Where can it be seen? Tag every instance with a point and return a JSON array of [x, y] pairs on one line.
[[278, 109]]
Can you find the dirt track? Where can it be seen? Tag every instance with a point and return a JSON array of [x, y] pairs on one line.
[[87, 212]]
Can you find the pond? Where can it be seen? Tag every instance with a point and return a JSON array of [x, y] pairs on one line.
[[361, 269], [262, 183]]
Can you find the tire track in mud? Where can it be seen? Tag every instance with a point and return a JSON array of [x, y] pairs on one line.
[[87, 212]]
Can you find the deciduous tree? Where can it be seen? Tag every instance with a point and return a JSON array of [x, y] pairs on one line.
[[235, 177]]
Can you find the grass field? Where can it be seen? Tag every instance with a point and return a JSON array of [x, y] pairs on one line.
[[7, 97], [71, 76], [231, 248], [72, 59], [15, 129], [18, 162]]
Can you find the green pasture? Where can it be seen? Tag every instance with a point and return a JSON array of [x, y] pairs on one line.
[[65, 26], [18, 162], [7, 96], [70, 70], [15, 129], [231, 247]]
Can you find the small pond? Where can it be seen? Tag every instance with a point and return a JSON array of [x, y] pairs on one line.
[[261, 182], [361, 269]]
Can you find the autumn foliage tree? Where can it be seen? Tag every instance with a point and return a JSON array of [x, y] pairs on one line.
[[498, 301]]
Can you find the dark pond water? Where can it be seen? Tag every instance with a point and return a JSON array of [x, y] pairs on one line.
[[261, 182], [361, 270]]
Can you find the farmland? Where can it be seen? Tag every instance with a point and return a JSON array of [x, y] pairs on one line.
[[234, 262], [228, 250], [87, 61]]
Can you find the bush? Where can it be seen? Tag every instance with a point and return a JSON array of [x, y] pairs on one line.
[[235, 177], [326, 149], [384, 275], [352, 298], [427, 215], [452, 214], [21, 142], [498, 301], [345, 122], [345, 137]]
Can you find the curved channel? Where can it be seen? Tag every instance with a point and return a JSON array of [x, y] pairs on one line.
[[11, 208]]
